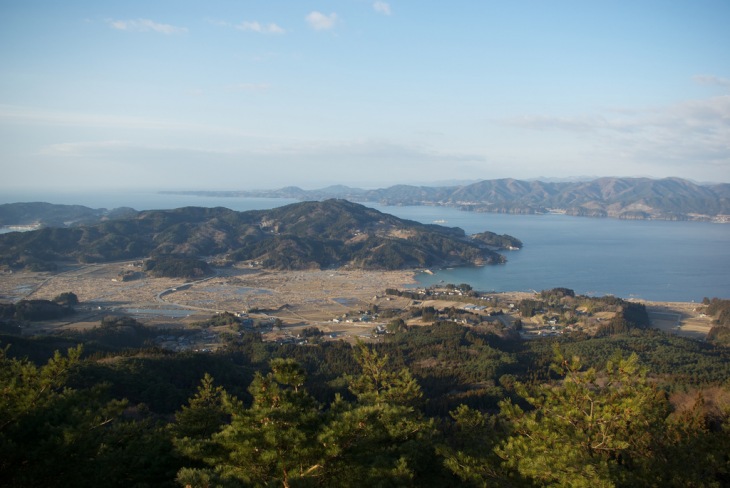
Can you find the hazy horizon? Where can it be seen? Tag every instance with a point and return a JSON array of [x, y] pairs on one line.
[[21, 194], [227, 95]]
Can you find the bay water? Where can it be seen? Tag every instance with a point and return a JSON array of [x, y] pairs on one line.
[[652, 260]]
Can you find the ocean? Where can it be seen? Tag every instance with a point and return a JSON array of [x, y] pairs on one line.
[[651, 260]]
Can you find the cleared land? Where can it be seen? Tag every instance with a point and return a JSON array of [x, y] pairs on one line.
[[298, 298], [680, 318]]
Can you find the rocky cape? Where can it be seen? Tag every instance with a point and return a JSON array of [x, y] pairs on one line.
[[623, 198], [308, 235]]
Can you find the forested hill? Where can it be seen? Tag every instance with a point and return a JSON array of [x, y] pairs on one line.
[[332, 233], [55, 215], [625, 198]]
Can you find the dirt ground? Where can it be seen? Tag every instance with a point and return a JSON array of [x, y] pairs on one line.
[[679, 318], [298, 298]]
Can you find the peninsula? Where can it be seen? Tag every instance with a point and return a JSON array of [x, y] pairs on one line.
[[184, 242]]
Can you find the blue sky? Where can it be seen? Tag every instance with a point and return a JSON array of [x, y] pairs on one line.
[[264, 94]]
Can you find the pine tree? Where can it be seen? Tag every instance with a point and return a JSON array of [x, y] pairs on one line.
[[469, 451], [273, 442], [382, 439], [587, 430], [50, 434], [204, 415]]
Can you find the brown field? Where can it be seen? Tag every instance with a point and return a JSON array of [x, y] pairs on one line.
[[298, 298], [679, 318]]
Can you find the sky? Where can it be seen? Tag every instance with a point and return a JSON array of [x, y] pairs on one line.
[[252, 94]]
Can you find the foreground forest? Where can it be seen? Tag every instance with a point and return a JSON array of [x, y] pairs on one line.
[[438, 405]]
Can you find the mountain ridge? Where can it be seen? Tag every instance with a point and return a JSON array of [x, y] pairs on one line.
[[623, 198]]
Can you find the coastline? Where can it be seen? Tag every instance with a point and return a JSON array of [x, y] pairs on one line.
[[630, 259], [299, 298]]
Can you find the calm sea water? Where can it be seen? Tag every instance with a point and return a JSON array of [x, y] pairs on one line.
[[653, 260]]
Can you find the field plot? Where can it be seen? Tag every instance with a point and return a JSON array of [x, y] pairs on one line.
[[679, 318], [332, 300], [298, 298]]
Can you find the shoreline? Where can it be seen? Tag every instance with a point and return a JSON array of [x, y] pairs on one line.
[[304, 297], [433, 273], [29, 285]]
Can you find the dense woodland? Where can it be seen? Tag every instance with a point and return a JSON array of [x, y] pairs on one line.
[[438, 405], [308, 235]]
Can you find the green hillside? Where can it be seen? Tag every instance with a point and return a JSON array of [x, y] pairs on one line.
[[308, 235]]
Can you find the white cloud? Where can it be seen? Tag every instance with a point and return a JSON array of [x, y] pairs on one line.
[[382, 8], [270, 28], [370, 152], [688, 133], [712, 80], [581, 123], [320, 21], [146, 25], [77, 148]]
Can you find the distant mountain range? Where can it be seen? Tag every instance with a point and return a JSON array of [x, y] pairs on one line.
[[623, 198], [327, 234]]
